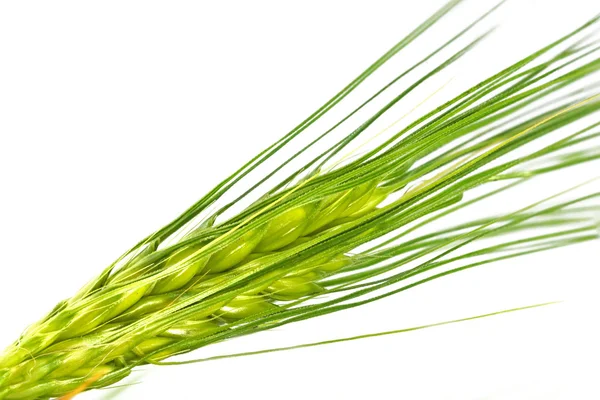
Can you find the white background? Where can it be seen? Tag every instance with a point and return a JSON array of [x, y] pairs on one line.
[[115, 116]]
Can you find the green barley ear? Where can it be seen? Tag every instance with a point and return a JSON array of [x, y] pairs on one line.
[[357, 222]]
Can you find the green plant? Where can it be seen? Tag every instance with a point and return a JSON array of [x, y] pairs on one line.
[[343, 230]]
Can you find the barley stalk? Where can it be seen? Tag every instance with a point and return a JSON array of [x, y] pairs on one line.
[[292, 254]]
